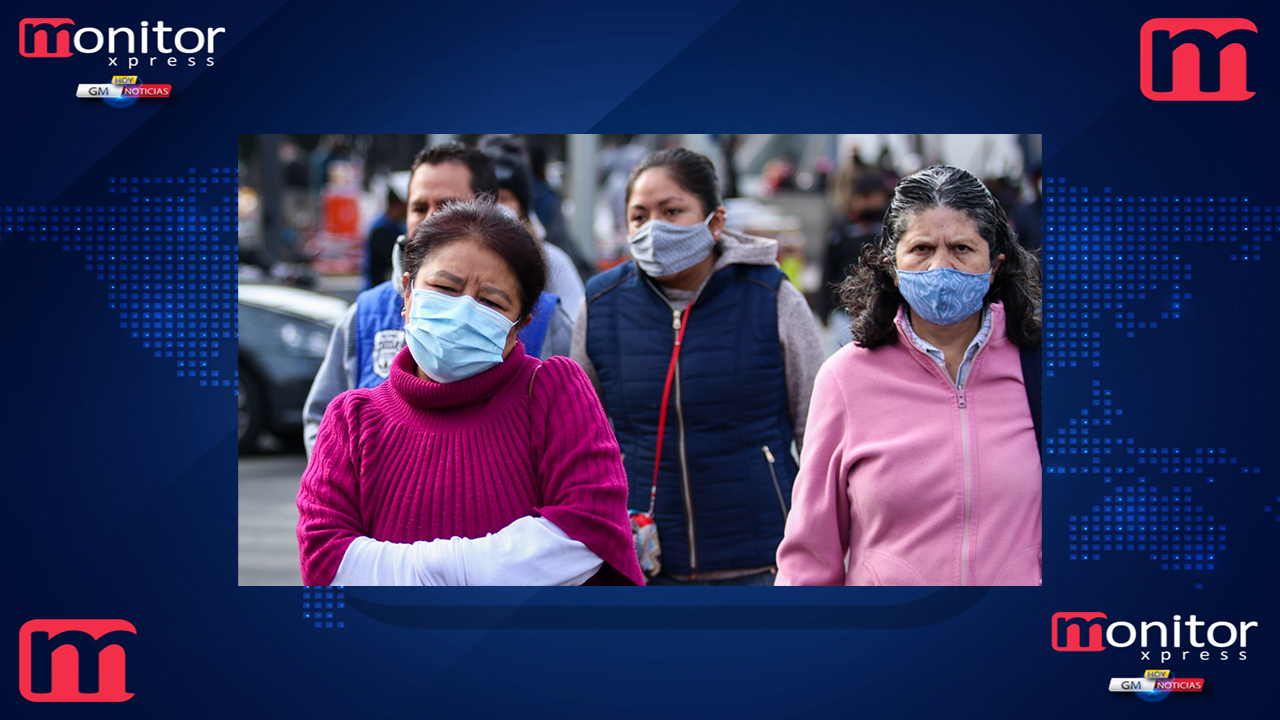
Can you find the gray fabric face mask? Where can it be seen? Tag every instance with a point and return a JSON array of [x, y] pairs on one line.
[[662, 248]]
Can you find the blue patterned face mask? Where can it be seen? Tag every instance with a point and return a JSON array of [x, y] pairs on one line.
[[662, 248], [943, 296], [454, 337]]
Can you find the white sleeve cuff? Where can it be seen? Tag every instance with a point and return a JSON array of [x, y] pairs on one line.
[[530, 551]]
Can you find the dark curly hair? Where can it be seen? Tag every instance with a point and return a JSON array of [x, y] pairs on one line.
[[872, 300]]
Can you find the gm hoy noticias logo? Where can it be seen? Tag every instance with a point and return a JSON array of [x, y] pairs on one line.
[[74, 660], [1197, 59], [123, 91], [1176, 640]]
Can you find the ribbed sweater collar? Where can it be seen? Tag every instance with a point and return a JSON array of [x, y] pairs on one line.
[[430, 395]]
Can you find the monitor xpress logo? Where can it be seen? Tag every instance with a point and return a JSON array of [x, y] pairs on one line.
[[74, 660], [1084, 632], [1197, 59], [125, 47]]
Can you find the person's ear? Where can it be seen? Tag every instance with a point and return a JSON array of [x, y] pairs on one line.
[[513, 335], [892, 271], [996, 268], [716, 226]]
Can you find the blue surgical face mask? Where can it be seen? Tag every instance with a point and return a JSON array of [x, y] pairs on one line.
[[454, 337], [943, 296], [662, 248]]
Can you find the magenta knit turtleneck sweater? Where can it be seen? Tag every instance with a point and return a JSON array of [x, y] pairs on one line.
[[414, 459]]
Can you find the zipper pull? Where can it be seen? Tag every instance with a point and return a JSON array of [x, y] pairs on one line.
[[675, 319], [767, 455], [960, 392]]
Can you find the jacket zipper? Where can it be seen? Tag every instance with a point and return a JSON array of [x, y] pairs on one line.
[[964, 449], [684, 460], [686, 488], [964, 444], [782, 503]]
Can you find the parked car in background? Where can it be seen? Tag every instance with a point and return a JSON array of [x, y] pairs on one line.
[[284, 332]]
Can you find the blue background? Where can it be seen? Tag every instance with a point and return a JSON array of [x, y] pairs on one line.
[[121, 475]]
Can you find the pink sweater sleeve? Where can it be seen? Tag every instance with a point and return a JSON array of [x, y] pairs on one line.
[[584, 489], [817, 534], [328, 499]]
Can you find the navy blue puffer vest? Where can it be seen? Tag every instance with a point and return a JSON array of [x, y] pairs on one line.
[[718, 506]]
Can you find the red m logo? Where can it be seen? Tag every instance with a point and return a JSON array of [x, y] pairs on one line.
[[1196, 58], [1076, 632], [40, 37], [74, 660]]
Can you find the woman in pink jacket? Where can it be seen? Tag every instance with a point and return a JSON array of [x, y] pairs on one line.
[[921, 464]]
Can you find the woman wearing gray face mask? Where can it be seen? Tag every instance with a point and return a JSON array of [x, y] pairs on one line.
[[704, 356]]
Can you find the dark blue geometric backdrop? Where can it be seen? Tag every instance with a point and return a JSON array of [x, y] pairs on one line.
[[1124, 272]]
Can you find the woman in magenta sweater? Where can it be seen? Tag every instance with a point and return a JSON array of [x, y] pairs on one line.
[[474, 464], [921, 464]]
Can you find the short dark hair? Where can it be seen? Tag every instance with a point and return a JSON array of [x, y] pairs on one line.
[[493, 227], [872, 300], [511, 168], [484, 183], [694, 173]]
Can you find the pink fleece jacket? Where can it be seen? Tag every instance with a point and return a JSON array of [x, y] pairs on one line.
[[917, 481]]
